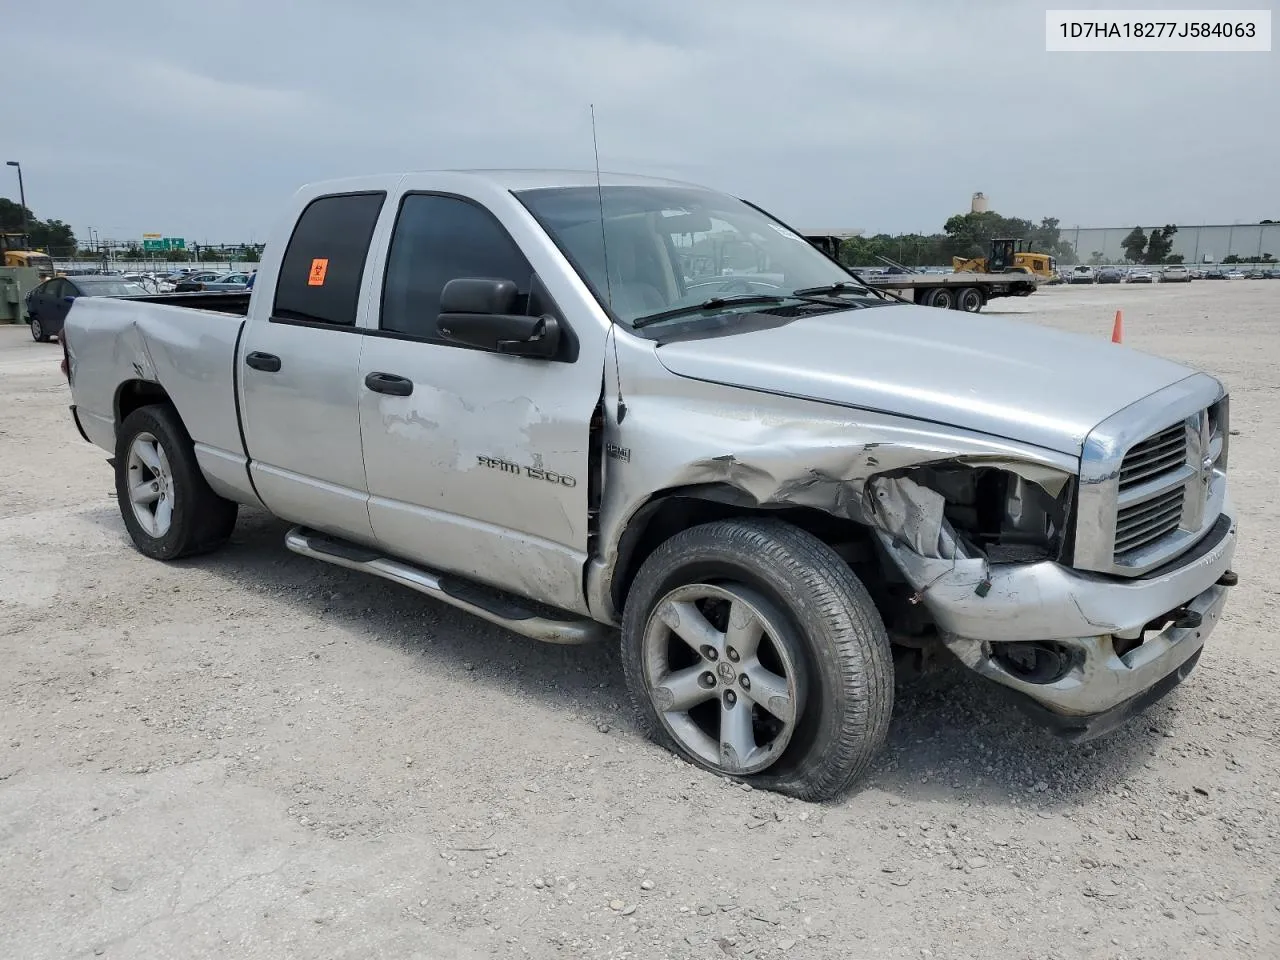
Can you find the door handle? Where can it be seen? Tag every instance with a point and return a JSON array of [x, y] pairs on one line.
[[263, 361], [389, 383]]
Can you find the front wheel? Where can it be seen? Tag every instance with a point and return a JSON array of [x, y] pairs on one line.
[[167, 505], [37, 331], [752, 650]]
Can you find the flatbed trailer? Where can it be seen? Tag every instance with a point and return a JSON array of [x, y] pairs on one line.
[[969, 292]]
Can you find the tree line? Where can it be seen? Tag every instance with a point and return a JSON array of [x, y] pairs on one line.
[[41, 234], [964, 235]]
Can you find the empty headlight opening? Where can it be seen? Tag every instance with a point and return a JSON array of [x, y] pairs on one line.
[[999, 513]]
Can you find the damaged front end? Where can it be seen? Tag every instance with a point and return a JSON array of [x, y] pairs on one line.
[[985, 547]]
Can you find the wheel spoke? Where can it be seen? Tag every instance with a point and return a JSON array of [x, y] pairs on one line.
[[681, 691], [769, 691], [164, 514], [145, 492], [737, 740], [745, 630], [149, 455], [688, 623]]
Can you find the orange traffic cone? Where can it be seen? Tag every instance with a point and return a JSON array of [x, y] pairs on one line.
[[1117, 329]]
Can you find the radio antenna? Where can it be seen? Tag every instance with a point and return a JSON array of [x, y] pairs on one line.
[[604, 242], [608, 281]]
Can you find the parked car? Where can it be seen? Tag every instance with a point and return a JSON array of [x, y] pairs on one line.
[[144, 280], [1083, 273], [1235, 275], [1215, 274], [1107, 275], [195, 281], [48, 303], [1175, 273], [752, 493], [1141, 276], [228, 282]]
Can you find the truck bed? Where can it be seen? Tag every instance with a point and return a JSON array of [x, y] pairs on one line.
[[186, 343], [236, 303]]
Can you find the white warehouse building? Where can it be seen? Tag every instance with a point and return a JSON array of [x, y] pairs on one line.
[[1208, 243]]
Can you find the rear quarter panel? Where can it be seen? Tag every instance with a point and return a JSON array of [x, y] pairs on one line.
[[190, 353]]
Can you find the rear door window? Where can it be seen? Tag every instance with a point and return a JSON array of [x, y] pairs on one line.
[[324, 262]]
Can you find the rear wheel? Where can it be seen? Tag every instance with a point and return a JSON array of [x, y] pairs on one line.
[[37, 331], [969, 300], [752, 650], [943, 298], [167, 505]]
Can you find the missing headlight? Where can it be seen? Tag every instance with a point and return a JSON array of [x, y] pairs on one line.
[[1005, 514]]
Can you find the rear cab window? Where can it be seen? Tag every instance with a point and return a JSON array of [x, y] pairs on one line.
[[324, 262]]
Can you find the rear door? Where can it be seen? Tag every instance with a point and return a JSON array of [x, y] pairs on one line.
[[477, 462], [298, 371]]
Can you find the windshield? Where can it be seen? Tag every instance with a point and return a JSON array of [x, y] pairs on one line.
[[674, 247], [110, 288]]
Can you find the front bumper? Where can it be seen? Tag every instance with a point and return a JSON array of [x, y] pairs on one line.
[[1112, 629]]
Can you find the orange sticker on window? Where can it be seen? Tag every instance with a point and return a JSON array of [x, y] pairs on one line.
[[319, 267]]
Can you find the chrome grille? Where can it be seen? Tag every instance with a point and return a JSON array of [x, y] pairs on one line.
[[1149, 460], [1147, 521], [1152, 479]]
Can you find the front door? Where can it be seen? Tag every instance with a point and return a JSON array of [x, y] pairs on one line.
[[477, 462], [298, 369]]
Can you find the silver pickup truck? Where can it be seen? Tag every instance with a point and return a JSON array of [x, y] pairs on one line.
[[579, 408]]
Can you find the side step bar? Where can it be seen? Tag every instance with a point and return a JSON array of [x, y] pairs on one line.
[[484, 602]]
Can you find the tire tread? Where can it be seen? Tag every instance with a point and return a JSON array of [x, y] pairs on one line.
[[807, 574]]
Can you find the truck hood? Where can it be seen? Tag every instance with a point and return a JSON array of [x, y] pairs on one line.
[[1006, 378]]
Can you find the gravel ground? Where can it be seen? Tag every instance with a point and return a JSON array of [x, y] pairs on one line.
[[256, 755]]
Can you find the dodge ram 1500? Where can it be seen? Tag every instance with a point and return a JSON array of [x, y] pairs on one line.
[[587, 408]]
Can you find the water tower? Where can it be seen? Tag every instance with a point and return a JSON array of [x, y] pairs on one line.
[[979, 204]]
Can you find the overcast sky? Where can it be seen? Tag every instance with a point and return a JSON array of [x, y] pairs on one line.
[[200, 119]]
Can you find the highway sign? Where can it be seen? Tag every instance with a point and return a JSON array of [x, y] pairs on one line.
[[157, 244]]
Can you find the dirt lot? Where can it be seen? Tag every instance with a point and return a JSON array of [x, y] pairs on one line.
[[256, 755]]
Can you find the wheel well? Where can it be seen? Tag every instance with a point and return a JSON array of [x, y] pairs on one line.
[[133, 394], [668, 514]]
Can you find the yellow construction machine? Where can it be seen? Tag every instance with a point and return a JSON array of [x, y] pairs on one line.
[[18, 253], [1008, 255]]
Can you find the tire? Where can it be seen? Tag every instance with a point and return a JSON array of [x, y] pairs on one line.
[[969, 300], [942, 298], [37, 331], [196, 519], [821, 637]]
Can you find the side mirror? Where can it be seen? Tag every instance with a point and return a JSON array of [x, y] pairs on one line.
[[478, 313], [68, 299]]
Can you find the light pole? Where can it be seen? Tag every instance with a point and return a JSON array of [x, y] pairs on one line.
[[22, 199]]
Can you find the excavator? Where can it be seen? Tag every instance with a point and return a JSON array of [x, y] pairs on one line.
[[18, 253], [1008, 255]]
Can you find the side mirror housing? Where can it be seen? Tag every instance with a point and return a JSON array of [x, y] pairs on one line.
[[68, 299], [478, 312]]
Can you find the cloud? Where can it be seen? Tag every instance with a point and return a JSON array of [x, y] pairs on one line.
[[202, 121]]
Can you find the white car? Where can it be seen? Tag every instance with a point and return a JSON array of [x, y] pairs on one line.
[[1175, 273], [1235, 275]]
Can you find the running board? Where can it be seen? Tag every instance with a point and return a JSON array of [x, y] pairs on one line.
[[484, 602]]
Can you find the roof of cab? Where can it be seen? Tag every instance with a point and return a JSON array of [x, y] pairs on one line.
[[531, 179]]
